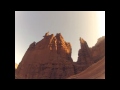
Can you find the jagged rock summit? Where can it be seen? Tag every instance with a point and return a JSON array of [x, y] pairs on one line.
[[84, 54], [87, 56], [49, 58]]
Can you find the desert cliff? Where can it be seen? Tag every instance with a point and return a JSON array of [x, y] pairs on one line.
[[50, 58]]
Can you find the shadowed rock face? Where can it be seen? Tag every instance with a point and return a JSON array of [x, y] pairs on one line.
[[49, 58], [84, 54], [98, 51], [95, 71], [87, 56], [96, 56]]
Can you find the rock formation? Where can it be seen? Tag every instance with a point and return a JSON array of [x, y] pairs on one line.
[[98, 51], [49, 58], [95, 71], [87, 56], [84, 55]]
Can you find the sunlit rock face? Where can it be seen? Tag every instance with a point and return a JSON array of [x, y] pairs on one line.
[[16, 65], [49, 58], [84, 54]]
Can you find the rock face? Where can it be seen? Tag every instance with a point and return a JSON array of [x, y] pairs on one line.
[[95, 71], [49, 58], [84, 55], [101, 39], [87, 56], [98, 51]]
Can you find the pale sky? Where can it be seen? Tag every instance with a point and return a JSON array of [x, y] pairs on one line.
[[32, 25]]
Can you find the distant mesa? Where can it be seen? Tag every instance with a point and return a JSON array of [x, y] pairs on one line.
[[50, 58]]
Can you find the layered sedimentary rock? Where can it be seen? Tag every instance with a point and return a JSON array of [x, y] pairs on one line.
[[49, 58]]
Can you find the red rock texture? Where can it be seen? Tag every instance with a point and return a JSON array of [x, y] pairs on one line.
[[49, 58], [87, 56], [98, 51], [95, 71], [84, 54]]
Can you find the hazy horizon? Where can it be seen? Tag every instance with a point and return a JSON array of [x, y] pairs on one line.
[[30, 26]]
